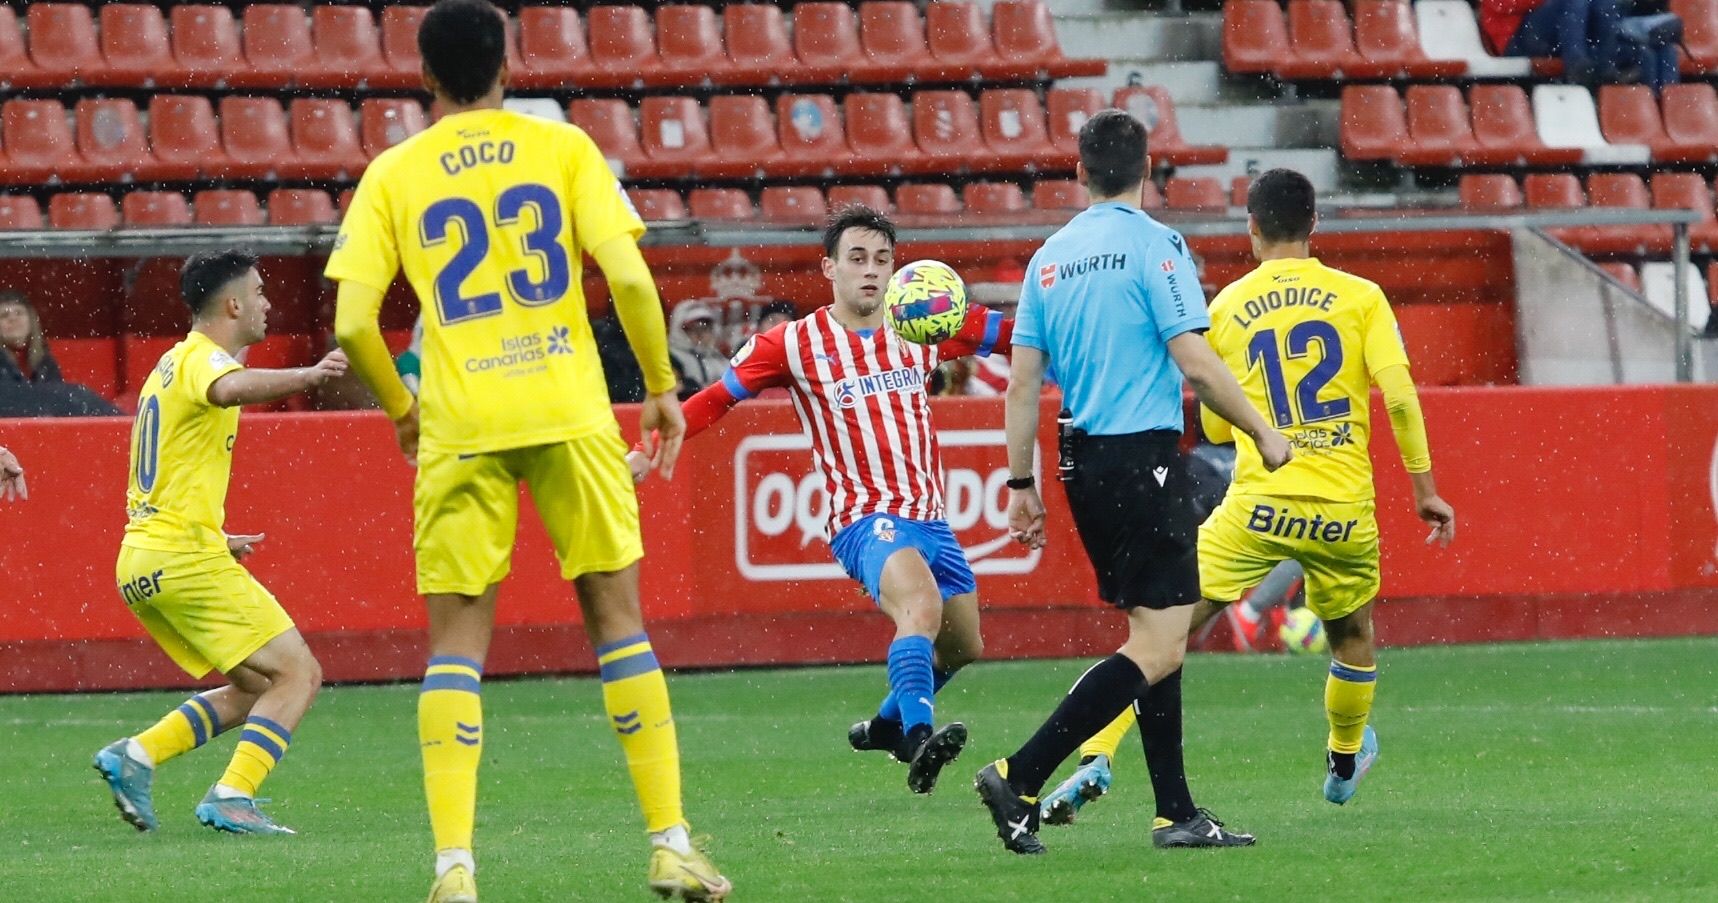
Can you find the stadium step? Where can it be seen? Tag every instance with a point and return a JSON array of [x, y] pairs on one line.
[[1188, 82], [1312, 124], [1321, 165], [1125, 35]]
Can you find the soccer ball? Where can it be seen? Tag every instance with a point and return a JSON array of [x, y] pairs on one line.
[[1303, 634], [925, 302]]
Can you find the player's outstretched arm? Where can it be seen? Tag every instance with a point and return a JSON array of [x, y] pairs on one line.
[[12, 477], [1408, 422], [983, 333], [242, 387], [1218, 390]]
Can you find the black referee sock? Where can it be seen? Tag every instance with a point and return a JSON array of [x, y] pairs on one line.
[[1095, 700], [1159, 710]]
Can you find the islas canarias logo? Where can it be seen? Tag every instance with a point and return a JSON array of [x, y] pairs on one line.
[[520, 352]]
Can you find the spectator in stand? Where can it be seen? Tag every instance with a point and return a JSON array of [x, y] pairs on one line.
[[1598, 40], [619, 368], [698, 357], [776, 312], [30, 380]]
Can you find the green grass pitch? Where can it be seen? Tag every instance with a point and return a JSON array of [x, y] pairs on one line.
[[1569, 770]]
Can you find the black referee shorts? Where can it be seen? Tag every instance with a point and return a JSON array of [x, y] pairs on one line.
[[1132, 502]]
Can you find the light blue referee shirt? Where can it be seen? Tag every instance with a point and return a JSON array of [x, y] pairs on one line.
[[1102, 298]]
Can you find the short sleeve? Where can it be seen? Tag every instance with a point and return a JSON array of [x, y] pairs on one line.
[[201, 367], [1172, 292], [761, 363], [366, 250], [1029, 313], [1383, 340], [601, 210]]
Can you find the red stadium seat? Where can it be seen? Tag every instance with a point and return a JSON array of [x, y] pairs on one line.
[[892, 34], [1322, 43], [945, 124], [1628, 114], [16, 69], [1441, 131], [301, 207], [1385, 34], [743, 138], [82, 210], [1238, 189], [1624, 273], [325, 140], [1623, 190], [881, 138], [1255, 37], [874, 196], [277, 41], [1202, 194], [184, 137], [62, 41], [1013, 126], [227, 208], [345, 200], [348, 48], [206, 46], [927, 200], [1490, 191], [39, 144], [826, 40], [1374, 124], [675, 139], [1069, 108], [155, 208], [959, 43], [19, 211], [721, 204], [623, 48], [1555, 191], [1151, 105], [1699, 34], [994, 197], [402, 66], [610, 124], [812, 139], [386, 121], [1025, 39], [552, 48], [110, 139], [801, 204], [689, 41], [1060, 194], [257, 140], [657, 204], [1688, 191], [135, 48], [1503, 123], [759, 51], [1691, 114]]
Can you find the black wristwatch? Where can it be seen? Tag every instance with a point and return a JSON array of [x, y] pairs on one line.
[[1025, 482]]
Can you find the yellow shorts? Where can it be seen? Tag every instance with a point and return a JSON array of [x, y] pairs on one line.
[[204, 609], [1335, 542], [467, 510]]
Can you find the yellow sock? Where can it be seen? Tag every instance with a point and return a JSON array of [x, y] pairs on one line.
[[260, 749], [1108, 740], [450, 731], [1347, 702], [636, 697], [187, 727]]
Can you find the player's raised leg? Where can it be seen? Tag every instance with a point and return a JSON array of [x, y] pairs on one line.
[[1348, 693], [284, 677], [129, 764]]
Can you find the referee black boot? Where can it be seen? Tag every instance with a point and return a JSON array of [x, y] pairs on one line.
[[1016, 817], [1202, 830], [929, 752]]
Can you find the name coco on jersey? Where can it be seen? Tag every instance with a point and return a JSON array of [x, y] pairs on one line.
[[522, 350], [850, 391]]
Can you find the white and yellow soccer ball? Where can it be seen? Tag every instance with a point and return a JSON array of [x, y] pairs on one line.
[[1302, 633], [925, 302]]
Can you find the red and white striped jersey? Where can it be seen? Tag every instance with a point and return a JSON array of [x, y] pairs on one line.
[[861, 398]]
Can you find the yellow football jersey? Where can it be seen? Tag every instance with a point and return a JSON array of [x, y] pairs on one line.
[[489, 213], [1306, 342], [181, 452]]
